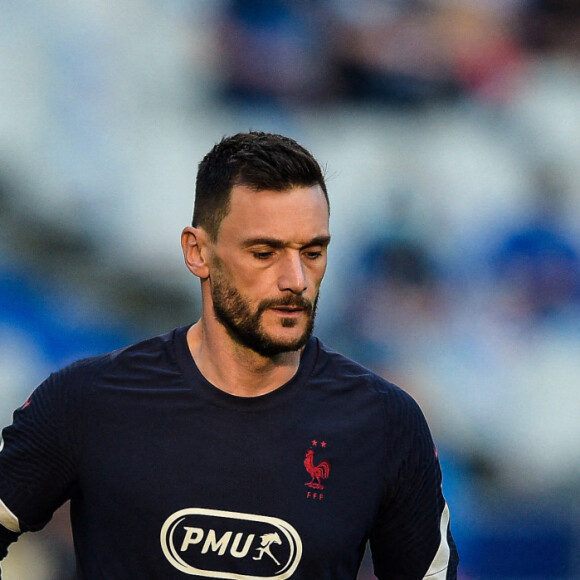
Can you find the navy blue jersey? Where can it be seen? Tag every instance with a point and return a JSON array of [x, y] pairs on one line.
[[170, 477]]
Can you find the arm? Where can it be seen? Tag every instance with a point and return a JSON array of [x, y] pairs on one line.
[[411, 538], [37, 463], [9, 529]]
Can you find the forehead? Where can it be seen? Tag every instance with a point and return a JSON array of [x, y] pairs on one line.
[[297, 214]]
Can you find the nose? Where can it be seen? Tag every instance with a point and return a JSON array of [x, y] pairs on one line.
[[291, 276]]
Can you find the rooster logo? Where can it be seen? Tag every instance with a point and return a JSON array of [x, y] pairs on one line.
[[316, 472]]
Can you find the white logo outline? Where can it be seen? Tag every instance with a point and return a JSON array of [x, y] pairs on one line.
[[288, 531]]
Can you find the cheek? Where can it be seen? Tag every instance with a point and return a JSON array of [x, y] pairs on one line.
[[232, 272], [317, 274], [255, 287], [253, 283]]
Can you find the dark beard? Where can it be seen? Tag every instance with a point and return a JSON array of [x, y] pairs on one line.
[[244, 326]]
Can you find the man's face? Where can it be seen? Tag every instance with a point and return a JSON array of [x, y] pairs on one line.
[[267, 265]]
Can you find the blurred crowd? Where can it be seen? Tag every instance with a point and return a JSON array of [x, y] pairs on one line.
[[450, 129], [396, 52]]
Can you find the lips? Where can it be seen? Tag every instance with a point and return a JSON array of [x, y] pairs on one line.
[[288, 310]]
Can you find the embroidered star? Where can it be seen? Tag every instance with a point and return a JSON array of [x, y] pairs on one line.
[[323, 444], [314, 442]]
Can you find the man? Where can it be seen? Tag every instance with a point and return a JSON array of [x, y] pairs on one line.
[[240, 446]]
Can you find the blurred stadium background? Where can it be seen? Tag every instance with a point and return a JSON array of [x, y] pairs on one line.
[[450, 130]]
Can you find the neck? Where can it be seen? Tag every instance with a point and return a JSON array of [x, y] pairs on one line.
[[236, 369]]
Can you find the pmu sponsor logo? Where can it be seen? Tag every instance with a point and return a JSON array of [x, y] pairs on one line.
[[230, 545]]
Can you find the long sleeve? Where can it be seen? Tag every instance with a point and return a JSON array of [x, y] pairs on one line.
[[37, 461], [411, 538], [9, 530]]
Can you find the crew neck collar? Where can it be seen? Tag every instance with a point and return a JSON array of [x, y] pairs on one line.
[[201, 386]]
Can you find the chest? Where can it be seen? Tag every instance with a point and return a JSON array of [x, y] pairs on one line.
[[218, 489]]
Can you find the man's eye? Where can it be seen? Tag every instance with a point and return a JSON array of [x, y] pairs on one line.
[[313, 254], [262, 255]]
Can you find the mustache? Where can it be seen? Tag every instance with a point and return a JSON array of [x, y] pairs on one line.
[[289, 301]]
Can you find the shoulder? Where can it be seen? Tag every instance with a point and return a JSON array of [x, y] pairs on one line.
[[368, 403], [130, 364], [347, 374]]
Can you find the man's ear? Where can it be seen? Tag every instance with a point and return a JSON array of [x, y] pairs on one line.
[[193, 243]]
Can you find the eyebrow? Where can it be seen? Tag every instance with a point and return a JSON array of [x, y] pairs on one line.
[[279, 244]]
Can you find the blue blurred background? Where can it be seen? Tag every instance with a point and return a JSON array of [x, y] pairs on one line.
[[450, 133]]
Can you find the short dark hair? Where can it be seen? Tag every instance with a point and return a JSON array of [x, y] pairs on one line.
[[257, 160]]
